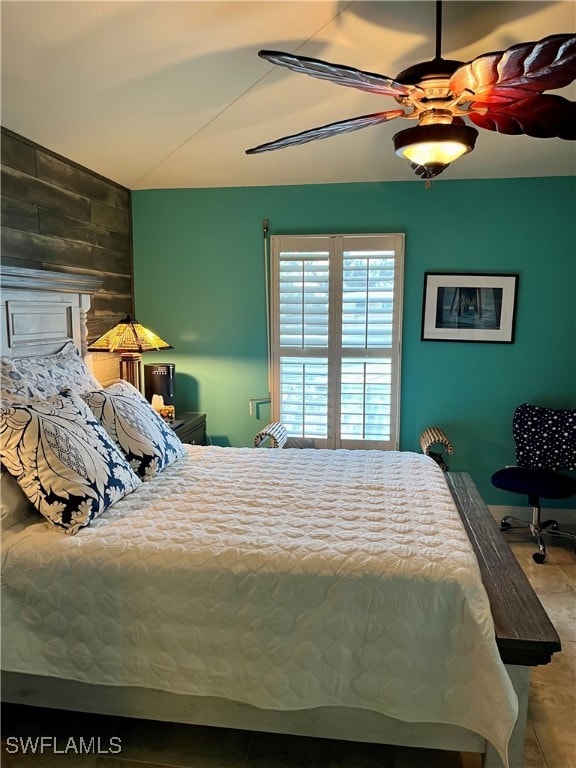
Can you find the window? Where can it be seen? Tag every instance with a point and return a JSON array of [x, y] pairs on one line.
[[335, 338]]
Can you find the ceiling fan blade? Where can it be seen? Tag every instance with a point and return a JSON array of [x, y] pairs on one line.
[[539, 66], [325, 131], [542, 116], [338, 73]]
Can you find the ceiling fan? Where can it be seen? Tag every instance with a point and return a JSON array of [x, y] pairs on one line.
[[501, 91]]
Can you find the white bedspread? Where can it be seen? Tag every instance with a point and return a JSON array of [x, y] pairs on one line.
[[286, 579]]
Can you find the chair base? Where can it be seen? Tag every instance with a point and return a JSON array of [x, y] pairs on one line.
[[537, 528]]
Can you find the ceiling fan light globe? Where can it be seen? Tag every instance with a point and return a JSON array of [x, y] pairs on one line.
[[433, 145], [433, 153]]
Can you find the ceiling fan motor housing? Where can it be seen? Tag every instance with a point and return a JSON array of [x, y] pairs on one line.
[[426, 70], [432, 78]]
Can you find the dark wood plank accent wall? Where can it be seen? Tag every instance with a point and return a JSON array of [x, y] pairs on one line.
[[60, 216]]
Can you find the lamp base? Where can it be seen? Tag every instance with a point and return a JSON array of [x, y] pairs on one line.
[[130, 368]]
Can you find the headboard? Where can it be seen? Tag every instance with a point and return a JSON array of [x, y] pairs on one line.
[[42, 310]]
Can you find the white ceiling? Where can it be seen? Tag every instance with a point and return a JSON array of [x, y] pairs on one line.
[[170, 94]]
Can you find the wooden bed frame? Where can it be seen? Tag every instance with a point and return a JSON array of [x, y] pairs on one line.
[[43, 310]]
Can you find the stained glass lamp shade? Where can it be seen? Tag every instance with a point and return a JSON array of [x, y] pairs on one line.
[[129, 339]]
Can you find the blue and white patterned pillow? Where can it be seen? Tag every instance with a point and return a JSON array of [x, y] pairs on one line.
[[14, 387], [50, 374], [63, 460], [147, 442]]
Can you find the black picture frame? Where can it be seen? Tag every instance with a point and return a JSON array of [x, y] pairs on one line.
[[463, 306]]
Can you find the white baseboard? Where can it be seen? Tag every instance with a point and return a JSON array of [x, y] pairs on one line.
[[563, 516]]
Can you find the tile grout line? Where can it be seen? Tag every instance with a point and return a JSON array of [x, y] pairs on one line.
[[248, 750], [542, 756]]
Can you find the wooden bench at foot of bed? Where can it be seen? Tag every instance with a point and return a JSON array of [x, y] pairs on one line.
[[524, 633]]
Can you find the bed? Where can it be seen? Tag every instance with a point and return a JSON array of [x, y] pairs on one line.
[[214, 591]]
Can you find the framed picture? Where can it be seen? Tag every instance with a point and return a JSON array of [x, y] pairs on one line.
[[469, 307]]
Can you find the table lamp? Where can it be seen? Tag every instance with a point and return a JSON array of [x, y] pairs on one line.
[[129, 339]]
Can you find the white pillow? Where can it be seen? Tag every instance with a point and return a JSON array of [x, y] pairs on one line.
[[49, 374], [145, 439], [14, 506], [63, 460]]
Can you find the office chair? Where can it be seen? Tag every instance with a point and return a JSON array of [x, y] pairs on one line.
[[545, 440]]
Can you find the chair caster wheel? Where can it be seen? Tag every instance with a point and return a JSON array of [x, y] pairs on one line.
[[505, 526], [538, 557]]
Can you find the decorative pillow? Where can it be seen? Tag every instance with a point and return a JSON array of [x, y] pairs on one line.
[[63, 460], [14, 388], [50, 374], [14, 506], [148, 443]]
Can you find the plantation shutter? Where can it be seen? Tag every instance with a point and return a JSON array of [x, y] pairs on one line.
[[336, 310]]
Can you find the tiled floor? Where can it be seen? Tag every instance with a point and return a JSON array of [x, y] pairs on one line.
[[551, 741]]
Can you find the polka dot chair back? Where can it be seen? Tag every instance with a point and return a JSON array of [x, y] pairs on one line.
[[544, 437]]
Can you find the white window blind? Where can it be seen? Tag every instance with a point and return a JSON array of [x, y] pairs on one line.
[[335, 351]]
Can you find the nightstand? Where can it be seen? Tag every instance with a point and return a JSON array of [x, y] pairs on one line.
[[191, 428]]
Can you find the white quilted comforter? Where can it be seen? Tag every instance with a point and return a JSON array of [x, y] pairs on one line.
[[286, 579]]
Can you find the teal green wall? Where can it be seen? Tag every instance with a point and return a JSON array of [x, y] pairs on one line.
[[199, 283]]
